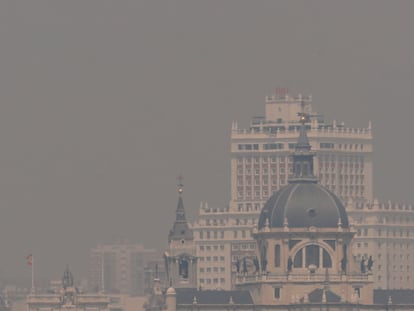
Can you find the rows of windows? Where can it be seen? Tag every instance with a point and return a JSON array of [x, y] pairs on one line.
[[393, 232], [242, 234], [273, 146], [280, 146], [212, 258], [397, 220], [326, 145], [257, 160], [207, 235], [243, 246], [217, 235], [212, 269], [211, 247], [402, 257], [257, 194], [249, 207], [248, 146], [245, 221], [212, 281], [214, 222], [346, 160], [402, 268], [264, 181]]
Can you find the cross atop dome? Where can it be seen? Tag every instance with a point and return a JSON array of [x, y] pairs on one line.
[[180, 179]]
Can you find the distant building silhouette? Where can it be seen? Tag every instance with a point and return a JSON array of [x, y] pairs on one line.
[[68, 298], [119, 268]]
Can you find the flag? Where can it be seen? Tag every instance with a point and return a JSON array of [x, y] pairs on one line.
[[29, 259]]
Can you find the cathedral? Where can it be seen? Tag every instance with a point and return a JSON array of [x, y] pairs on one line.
[[303, 256]]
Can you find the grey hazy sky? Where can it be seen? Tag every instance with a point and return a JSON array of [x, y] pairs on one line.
[[103, 103]]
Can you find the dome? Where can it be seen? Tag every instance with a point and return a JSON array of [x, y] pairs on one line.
[[303, 205]]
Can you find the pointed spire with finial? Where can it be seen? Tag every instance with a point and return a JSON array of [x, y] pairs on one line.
[[180, 213], [180, 230], [303, 157]]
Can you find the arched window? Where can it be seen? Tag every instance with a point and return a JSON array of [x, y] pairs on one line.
[[183, 268], [298, 261], [312, 255]]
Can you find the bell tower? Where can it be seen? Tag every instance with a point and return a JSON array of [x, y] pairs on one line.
[[180, 258]]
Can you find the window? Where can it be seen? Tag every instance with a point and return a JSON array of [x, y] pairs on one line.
[[312, 255], [277, 255], [327, 145], [297, 263], [273, 146], [276, 292], [326, 260]]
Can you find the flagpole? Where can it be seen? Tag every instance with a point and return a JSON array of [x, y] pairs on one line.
[[33, 287], [103, 272]]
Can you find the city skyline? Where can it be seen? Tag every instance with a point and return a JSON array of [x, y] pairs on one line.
[[104, 105]]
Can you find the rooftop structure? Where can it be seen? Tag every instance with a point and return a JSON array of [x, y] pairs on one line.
[[68, 299]]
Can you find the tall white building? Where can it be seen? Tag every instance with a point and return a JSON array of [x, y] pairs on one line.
[[260, 155], [261, 164]]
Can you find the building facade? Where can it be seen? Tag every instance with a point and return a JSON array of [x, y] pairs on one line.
[[119, 268], [261, 164], [385, 231]]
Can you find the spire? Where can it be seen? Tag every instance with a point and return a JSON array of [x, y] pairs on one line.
[[303, 157], [180, 212], [303, 142], [67, 280], [180, 230]]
